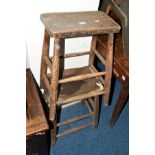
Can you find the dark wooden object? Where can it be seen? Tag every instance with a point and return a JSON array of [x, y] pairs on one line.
[[118, 10], [35, 116], [63, 86]]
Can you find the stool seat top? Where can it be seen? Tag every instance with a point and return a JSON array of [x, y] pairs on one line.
[[78, 24]]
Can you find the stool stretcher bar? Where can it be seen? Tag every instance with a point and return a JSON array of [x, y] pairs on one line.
[[73, 55], [74, 119], [81, 77]]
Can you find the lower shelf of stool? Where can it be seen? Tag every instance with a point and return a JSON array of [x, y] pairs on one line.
[[78, 90]]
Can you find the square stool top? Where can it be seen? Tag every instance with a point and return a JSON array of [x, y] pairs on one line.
[[78, 24]]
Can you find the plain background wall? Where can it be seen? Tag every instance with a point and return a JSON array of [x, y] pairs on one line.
[[35, 31]]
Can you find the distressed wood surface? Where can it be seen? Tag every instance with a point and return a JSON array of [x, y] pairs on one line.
[[35, 116], [77, 24], [54, 78], [45, 52], [108, 68], [96, 110], [92, 49], [48, 62], [74, 130], [120, 104], [76, 84], [75, 119], [74, 54], [81, 77]]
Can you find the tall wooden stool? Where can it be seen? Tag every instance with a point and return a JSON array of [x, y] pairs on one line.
[[63, 86]]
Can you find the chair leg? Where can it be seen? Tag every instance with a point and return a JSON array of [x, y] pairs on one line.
[[45, 52], [108, 68], [120, 104], [96, 111], [54, 131]]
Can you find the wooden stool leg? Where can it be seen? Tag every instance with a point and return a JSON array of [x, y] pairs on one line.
[[108, 68], [54, 78], [54, 131], [93, 47], [96, 110], [45, 52], [120, 104]]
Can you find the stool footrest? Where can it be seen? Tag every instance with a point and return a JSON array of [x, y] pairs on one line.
[[75, 119], [80, 97], [75, 54], [81, 77], [74, 130]]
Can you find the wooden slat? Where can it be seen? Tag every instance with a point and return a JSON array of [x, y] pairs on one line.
[[91, 102], [95, 70], [54, 78], [74, 130], [80, 97], [75, 54], [81, 77], [74, 119], [92, 54], [100, 56], [45, 52], [47, 83], [48, 62], [108, 68], [88, 105], [96, 111]]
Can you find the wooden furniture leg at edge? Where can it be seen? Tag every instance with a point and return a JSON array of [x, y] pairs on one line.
[[108, 68], [45, 52], [120, 104]]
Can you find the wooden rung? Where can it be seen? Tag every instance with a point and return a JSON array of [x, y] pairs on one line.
[[74, 130], [48, 62], [91, 102], [80, 97], [88, 105], [74, 119], [69, 55], [100, 56], [95, 70], [47, 84], [81, 77]]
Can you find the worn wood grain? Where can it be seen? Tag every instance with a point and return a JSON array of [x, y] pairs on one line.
[[78, 24], [96, 110], [81, 77], [108, 68], [92, 49], [35, 117], [54, 78], [74, 130], [74, 54], [45, 52], [75, 119]]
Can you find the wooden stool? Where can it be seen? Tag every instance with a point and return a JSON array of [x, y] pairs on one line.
[[63, 86]]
